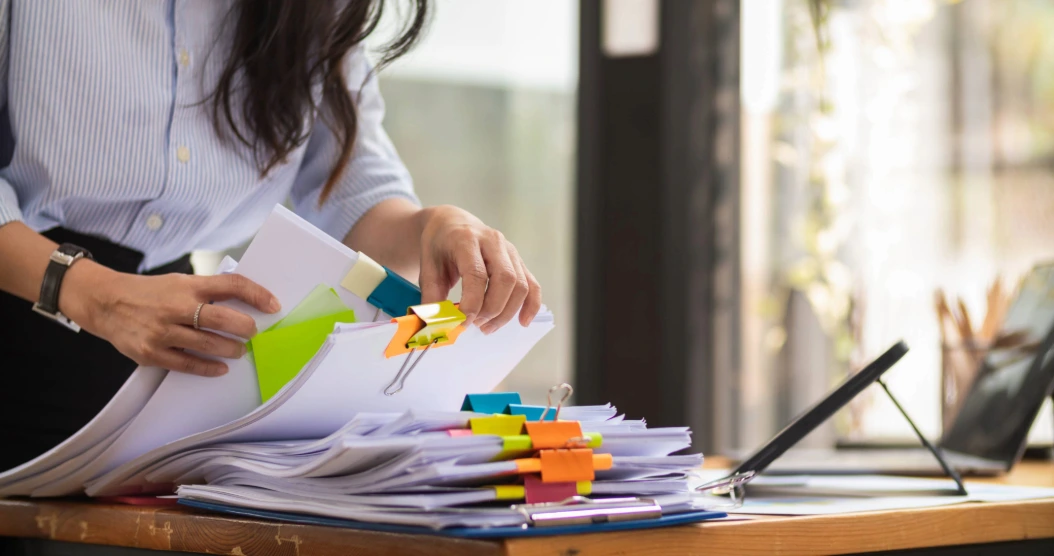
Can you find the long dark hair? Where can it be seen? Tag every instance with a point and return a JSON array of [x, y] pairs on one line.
[[279, 50]]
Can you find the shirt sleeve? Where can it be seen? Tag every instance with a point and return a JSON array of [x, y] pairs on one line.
[[9, 210], [374, 172]]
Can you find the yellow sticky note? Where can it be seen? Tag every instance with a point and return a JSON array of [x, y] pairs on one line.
[[282, 352]]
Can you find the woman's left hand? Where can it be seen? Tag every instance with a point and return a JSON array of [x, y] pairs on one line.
[[495, 282]]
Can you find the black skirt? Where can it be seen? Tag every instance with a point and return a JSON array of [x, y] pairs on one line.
[[53, 380]]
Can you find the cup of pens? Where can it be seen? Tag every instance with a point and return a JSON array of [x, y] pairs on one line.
[[964, 346]]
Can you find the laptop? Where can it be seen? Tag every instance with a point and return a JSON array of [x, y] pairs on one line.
[[990, 432]]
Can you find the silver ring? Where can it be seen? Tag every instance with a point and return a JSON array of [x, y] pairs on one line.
[[197, 314]]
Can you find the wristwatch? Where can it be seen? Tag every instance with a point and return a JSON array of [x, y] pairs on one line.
[[61, 260]]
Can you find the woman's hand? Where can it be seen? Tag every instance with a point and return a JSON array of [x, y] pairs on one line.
[[495, 283], [150, 319]]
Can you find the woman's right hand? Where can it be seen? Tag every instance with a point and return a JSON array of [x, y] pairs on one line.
[[150, 319]]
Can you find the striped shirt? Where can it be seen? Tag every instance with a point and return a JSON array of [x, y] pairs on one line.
[[103, 132]]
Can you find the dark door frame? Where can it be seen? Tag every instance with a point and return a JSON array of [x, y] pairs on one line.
[[657, 220]]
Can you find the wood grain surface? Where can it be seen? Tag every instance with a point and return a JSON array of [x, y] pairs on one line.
[[168, 528]]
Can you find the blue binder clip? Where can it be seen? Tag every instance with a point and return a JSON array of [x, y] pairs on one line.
[[383, 288], [493, 403]]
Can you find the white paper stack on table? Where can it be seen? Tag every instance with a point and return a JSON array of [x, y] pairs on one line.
[[158, 414], [429, 469]]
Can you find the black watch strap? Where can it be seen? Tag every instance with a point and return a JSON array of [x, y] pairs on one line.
[[61, 260]]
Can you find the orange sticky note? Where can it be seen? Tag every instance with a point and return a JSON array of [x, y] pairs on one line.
[[554, 434]]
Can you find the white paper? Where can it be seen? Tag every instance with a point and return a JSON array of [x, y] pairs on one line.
[[126, 403], [821, 495]]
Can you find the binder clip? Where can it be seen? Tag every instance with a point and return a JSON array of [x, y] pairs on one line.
[[579, 510], [560, 404], [561, 466], [493, 402], [532, 412], [501, 425], [384, 289], [424, 326]]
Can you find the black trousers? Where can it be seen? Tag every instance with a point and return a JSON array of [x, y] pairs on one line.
[[53, 380]]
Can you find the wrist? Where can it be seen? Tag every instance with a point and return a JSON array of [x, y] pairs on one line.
[[83, 291]]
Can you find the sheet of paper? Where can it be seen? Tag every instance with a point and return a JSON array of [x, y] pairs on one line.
[[281, 353], [820, 495], [186, 404], [129, 400]]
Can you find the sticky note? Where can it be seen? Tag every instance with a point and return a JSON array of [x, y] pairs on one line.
[[281, 353], [537, 492], [322, 301], [364, 277], [494, 402]]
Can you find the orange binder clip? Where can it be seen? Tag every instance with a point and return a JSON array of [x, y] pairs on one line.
[[558, 466], [424, 326], [556, 434]]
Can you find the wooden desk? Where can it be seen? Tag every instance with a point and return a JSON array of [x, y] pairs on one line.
[[191, 531]]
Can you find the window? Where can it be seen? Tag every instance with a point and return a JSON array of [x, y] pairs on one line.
[[890, 148]]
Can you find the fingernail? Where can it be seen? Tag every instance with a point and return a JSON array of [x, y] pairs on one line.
[[469, 319], [487, 330], [274, 306]]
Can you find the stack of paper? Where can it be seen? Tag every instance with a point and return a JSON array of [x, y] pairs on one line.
[[317, 371], [435, 469]]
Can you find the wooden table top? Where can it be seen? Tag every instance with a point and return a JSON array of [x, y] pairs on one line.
[[172, 528]]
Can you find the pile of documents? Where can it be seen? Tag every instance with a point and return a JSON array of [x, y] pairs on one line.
[[347, 405], [444, 469]]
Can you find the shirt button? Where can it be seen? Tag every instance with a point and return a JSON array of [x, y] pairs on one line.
[[184, 57], [183, 153], [154, 222]]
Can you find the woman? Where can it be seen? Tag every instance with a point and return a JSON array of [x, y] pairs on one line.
[[134, 132]]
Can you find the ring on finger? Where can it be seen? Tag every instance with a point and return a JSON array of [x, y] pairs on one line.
[[197, 316]]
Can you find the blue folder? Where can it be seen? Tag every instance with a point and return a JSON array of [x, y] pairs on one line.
[[463, 532]]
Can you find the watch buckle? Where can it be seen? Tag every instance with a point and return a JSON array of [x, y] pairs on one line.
[[57, 317]]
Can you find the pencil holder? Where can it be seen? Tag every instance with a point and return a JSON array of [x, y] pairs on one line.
[[960, 364]]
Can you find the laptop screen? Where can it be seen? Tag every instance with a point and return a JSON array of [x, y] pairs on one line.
[[1013, 380]]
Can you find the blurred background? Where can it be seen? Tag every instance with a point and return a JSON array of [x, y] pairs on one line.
[[732, 205]]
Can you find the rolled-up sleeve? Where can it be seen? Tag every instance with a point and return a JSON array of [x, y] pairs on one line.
[[9, 209], [373, 174]]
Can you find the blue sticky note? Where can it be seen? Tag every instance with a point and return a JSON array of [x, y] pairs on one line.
[[494, 402], [533, 412]]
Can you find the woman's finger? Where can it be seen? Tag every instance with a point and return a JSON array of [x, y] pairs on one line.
[[473, 273], [206, 343], [177, 360], [533, 303], [225, 319], [519, 293], [236, 286], [434, 286], [502, 277]]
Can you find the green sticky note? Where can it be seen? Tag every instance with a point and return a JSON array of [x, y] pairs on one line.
[[322, 301], [280, 353]]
